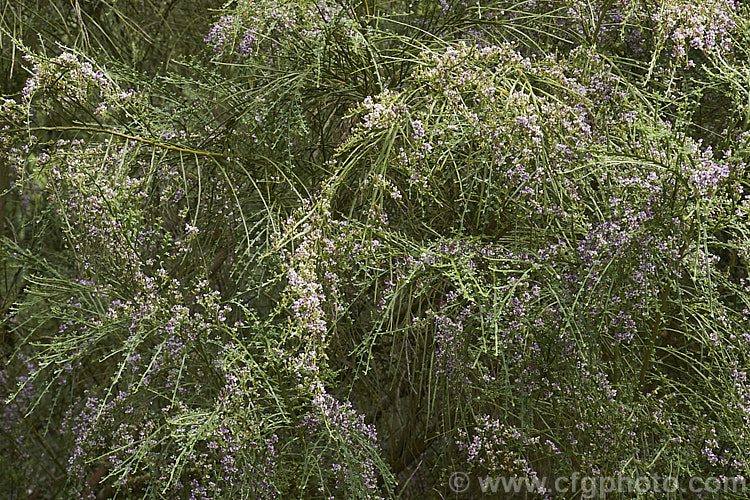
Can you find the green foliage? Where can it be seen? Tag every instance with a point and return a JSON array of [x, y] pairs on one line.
[[332, 250]]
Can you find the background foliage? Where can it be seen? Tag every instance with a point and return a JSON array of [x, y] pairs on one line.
[[322, 249]]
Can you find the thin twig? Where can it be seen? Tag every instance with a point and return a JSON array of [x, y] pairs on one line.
[[125, 136]]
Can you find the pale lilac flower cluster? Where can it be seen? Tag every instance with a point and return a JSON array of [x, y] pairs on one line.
[[259, 28], [323, 251], [616, 21], [382, 111], [707, 26], [11, 112], [706, 174], [17, 394], [101, 203], [347, 429], [306, 298], [497, 448], [507, 129], [451, 344], [221, 33], [65, 75]]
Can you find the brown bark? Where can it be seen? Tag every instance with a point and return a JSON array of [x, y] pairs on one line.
[[4, 186]]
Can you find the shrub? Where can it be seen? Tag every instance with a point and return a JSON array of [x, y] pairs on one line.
[[321, 249]]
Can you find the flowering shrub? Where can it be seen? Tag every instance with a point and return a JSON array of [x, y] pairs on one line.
[[327, 250], [706, 26]]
